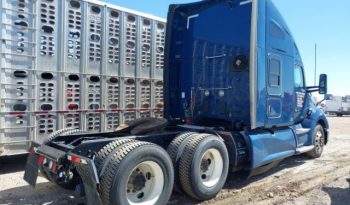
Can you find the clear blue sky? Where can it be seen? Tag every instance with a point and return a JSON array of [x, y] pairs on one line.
[[326, 23]]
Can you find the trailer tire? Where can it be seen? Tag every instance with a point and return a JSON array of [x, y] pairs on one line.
[[319, 141], [103, 156], [204, 166], [175, 151], [76, 179], [125, 182], [142, 125], [55, 134]]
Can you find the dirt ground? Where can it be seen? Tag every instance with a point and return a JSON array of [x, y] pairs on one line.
[[295, 181]]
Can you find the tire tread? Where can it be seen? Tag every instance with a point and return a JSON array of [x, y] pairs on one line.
[[107, 150], [173, 151], [186, 162], [107, 177]]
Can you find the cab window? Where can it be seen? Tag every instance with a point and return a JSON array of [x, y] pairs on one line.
[[299, 77]]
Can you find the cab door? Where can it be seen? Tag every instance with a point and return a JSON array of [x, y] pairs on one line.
[[274, 86]]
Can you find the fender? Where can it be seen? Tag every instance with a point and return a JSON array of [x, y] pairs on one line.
[[315, 116]]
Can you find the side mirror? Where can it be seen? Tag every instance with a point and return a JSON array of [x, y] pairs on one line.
[[323, 84]]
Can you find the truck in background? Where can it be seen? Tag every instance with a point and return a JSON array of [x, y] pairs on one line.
[[75, 64], [337, 105], [235, 99]]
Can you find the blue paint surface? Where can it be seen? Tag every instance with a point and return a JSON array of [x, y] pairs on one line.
[[202, 82]]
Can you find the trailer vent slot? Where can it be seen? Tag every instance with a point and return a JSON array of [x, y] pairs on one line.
[[95, 9], [113, 106], [130, 81], [20, 107], [21, 23], [113, 41], [75, 4], [130, 44], [47, 29], [146, 47], [94, 107], [130, 106], [131, 18], [95, 38], [95, 79], [73, 107], [145, 106], [114, 14], [159, 83], [47, 76], [46, 107], [73, 77], [74, 34], [160, 26], [20, 74], [113, 80], [146, 22], [145, 83]]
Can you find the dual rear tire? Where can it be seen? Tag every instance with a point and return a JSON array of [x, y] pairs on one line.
[[201, 164], [141, 173], [135, 173]]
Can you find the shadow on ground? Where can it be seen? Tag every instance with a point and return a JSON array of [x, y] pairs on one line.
[[339, 196], [12, 164], [44, 193], [240, 179]]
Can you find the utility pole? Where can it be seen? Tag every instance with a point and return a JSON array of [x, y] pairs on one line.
[[315, 65]]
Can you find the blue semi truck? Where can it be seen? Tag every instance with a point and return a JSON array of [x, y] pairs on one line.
[[235, 99]]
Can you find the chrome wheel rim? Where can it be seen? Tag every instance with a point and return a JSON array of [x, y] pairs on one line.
[[145, 184], [319, 142]]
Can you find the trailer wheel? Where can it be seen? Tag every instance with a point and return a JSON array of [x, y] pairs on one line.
[[105, 154], [139, 173], [204, 166], [175, 150], [319, 141], [71, 184]]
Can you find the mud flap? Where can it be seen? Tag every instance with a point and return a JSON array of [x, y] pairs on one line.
[[88, 174], [32, 167], [32, 170]]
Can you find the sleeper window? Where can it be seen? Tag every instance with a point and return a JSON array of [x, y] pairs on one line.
[[275, 73]]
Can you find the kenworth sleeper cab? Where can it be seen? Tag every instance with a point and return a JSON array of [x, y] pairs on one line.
[[235, 99]]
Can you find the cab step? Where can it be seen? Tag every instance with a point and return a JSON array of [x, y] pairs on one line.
[[301, 150]]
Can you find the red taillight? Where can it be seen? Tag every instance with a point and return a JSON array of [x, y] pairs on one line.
[[41, 160], [54, 167], [74, 159]]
